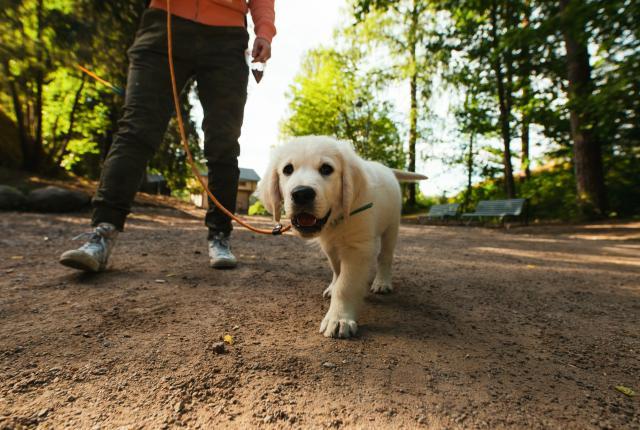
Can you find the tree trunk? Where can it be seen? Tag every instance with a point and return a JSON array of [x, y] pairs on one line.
[[72, 117], [587, 151], [467, 194], [413, 137], [525, 67], [34, 161], [413, 114], [505, 107], [526, 169], [17, 108]]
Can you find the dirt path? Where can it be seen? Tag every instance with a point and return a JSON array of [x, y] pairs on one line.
[[487, 329]]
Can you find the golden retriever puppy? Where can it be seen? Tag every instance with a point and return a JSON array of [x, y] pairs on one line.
[[350, 206]]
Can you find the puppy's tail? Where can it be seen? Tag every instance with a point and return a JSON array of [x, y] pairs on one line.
[[403, 176]]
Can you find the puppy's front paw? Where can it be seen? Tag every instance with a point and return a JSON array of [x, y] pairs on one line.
[[337, 326], [379, 287]]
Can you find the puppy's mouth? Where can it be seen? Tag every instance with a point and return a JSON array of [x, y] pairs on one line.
[[307, 223]]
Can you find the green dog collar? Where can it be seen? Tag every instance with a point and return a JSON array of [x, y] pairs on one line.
[[353, 212]]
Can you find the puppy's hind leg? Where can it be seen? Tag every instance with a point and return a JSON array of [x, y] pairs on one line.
[[332, 255], [382, 282]]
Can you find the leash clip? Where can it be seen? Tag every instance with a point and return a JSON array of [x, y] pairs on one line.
[[277, 230]]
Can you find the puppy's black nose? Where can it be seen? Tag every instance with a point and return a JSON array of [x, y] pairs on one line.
[[302, 195]]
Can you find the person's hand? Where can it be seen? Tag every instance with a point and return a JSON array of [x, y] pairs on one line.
[[261, 50]]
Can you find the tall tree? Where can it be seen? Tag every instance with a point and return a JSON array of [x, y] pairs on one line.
[[587, 151], [501, 20], [406, 30], [525, 67], [484, 56]]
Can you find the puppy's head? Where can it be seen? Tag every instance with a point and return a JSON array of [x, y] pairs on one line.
[[317, 178]]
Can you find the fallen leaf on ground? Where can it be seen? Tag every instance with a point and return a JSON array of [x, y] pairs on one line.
[[531, 266], [228, 339], [625, 390]]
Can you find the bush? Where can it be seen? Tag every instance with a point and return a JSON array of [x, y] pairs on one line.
[[551, 192], [257, 209]]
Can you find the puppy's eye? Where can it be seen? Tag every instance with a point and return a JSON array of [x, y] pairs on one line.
[[288, 169], [326, 169]]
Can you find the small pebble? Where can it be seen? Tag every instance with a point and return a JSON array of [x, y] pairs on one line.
[[218, 347], [328, 365], [178, 407]]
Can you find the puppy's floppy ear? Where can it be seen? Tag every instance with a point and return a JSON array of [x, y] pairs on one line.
[[269, 190], [352, 177]]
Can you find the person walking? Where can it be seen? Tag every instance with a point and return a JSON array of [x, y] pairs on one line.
[[209, 42]]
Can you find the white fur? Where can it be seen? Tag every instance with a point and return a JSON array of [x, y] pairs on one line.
[[355, 245]]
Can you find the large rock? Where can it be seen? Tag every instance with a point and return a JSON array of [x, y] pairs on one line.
[[11, 198], [56, 199]]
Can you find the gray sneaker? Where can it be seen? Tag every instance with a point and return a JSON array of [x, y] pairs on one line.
[[94, 254], [220, 256]]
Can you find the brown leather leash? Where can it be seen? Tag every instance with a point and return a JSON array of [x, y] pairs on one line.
[[279, 228]]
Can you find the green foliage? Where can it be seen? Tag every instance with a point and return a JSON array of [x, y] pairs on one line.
[[523, 45], [257, 209], [43, 92], [329, 97], [76, 116], [41, 44], [623, 185], [551, 194], [78, 150]]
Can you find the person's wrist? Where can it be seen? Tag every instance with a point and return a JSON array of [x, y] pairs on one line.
[[264, 39]]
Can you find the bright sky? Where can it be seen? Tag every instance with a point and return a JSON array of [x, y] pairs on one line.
[[303, 25]]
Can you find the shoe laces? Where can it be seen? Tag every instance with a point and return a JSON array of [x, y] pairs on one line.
[[98, 235], [221, 240]]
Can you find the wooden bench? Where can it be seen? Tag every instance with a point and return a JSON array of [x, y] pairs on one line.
[[498, 209], [442, 212]]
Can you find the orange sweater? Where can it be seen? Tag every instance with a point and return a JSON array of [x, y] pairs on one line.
[[225, 13]]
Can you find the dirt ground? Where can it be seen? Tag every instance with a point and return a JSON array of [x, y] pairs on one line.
[[522, 328]]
